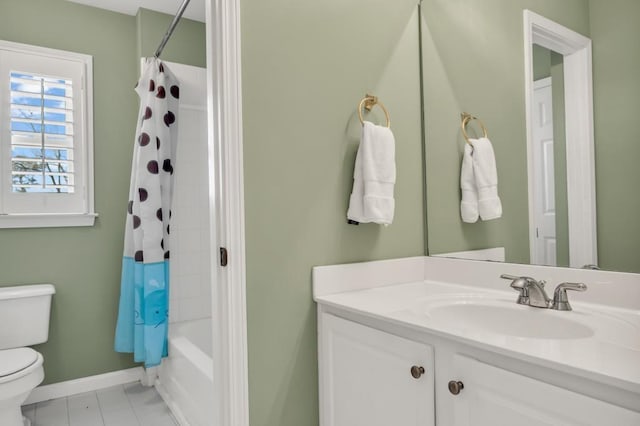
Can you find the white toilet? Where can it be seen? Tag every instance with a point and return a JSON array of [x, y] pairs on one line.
[[24, 320]]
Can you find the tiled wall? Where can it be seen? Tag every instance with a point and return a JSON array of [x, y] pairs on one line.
[[190, 294]]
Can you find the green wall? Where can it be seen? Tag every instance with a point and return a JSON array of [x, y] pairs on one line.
[[306, 65], [186, 45], [84, 263], [474, 62], [616, 61], [302, 84], [541, 62]]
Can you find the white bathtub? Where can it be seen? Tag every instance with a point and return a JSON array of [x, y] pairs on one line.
[[186, 376]]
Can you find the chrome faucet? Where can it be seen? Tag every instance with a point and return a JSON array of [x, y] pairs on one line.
[[532, 292]]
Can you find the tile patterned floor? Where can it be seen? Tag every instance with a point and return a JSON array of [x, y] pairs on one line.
[[125, 405]]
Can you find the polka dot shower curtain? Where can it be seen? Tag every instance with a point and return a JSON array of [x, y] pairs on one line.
[[144, 290]]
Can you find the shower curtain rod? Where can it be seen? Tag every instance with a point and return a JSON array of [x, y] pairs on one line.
[[172, 27]]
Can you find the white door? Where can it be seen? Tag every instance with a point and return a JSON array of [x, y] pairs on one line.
[[544, 190], [366, 377], [495, 397]]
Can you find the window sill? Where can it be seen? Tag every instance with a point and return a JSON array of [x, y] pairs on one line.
[[46, 220]]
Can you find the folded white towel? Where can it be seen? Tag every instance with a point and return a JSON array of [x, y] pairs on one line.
[[374, 177], [486, 177], [469, 202]]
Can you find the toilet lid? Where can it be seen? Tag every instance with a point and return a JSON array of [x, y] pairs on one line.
[[14, 360]]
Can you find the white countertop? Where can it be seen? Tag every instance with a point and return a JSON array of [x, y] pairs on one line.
[[608, 357]]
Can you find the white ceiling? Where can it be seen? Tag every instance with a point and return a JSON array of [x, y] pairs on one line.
[[195, 9]]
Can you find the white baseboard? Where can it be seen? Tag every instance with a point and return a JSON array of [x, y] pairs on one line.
[[84, 384]]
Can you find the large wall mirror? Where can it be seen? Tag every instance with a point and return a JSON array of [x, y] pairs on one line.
[[558, 90]]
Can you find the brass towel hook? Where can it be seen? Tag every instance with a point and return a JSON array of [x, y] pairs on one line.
[[466, 118], [368, 102]]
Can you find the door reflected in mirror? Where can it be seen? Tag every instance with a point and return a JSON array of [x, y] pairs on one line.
[[559, 124], [549, 209]]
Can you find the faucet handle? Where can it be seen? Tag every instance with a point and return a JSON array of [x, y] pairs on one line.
[[508, 277], [517, 283], [531, 291], [560, 299], [524, 278], [521, 284]]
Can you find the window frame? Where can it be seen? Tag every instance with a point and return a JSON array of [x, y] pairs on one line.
[[39, 218]]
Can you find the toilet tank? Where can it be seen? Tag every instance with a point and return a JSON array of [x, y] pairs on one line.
[[24, 315]]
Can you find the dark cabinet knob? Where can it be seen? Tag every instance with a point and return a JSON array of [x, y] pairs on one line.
[[416, 371], [455, 387]]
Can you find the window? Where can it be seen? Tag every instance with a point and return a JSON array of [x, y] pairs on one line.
[[46, 140]]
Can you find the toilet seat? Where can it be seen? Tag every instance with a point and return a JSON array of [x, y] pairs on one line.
[[13, 361]]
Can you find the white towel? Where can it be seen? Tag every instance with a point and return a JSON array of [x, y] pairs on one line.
[[374, 177], [469, 202], [486, 177]]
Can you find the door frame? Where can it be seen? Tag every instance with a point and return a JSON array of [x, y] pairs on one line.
[[226, 199], [578, 94]]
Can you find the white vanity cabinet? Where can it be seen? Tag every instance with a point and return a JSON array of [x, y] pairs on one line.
[[367, 377], [493, 396], [366, 380], [508, 364]]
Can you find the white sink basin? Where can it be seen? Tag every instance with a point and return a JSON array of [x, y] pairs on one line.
[[507, 318], [493, 317]]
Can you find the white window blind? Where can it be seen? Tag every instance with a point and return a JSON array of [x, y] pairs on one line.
[[46, 135], [41, 133]]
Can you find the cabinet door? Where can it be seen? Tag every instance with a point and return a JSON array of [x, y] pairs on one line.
[[495, 397], [366, 380]]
